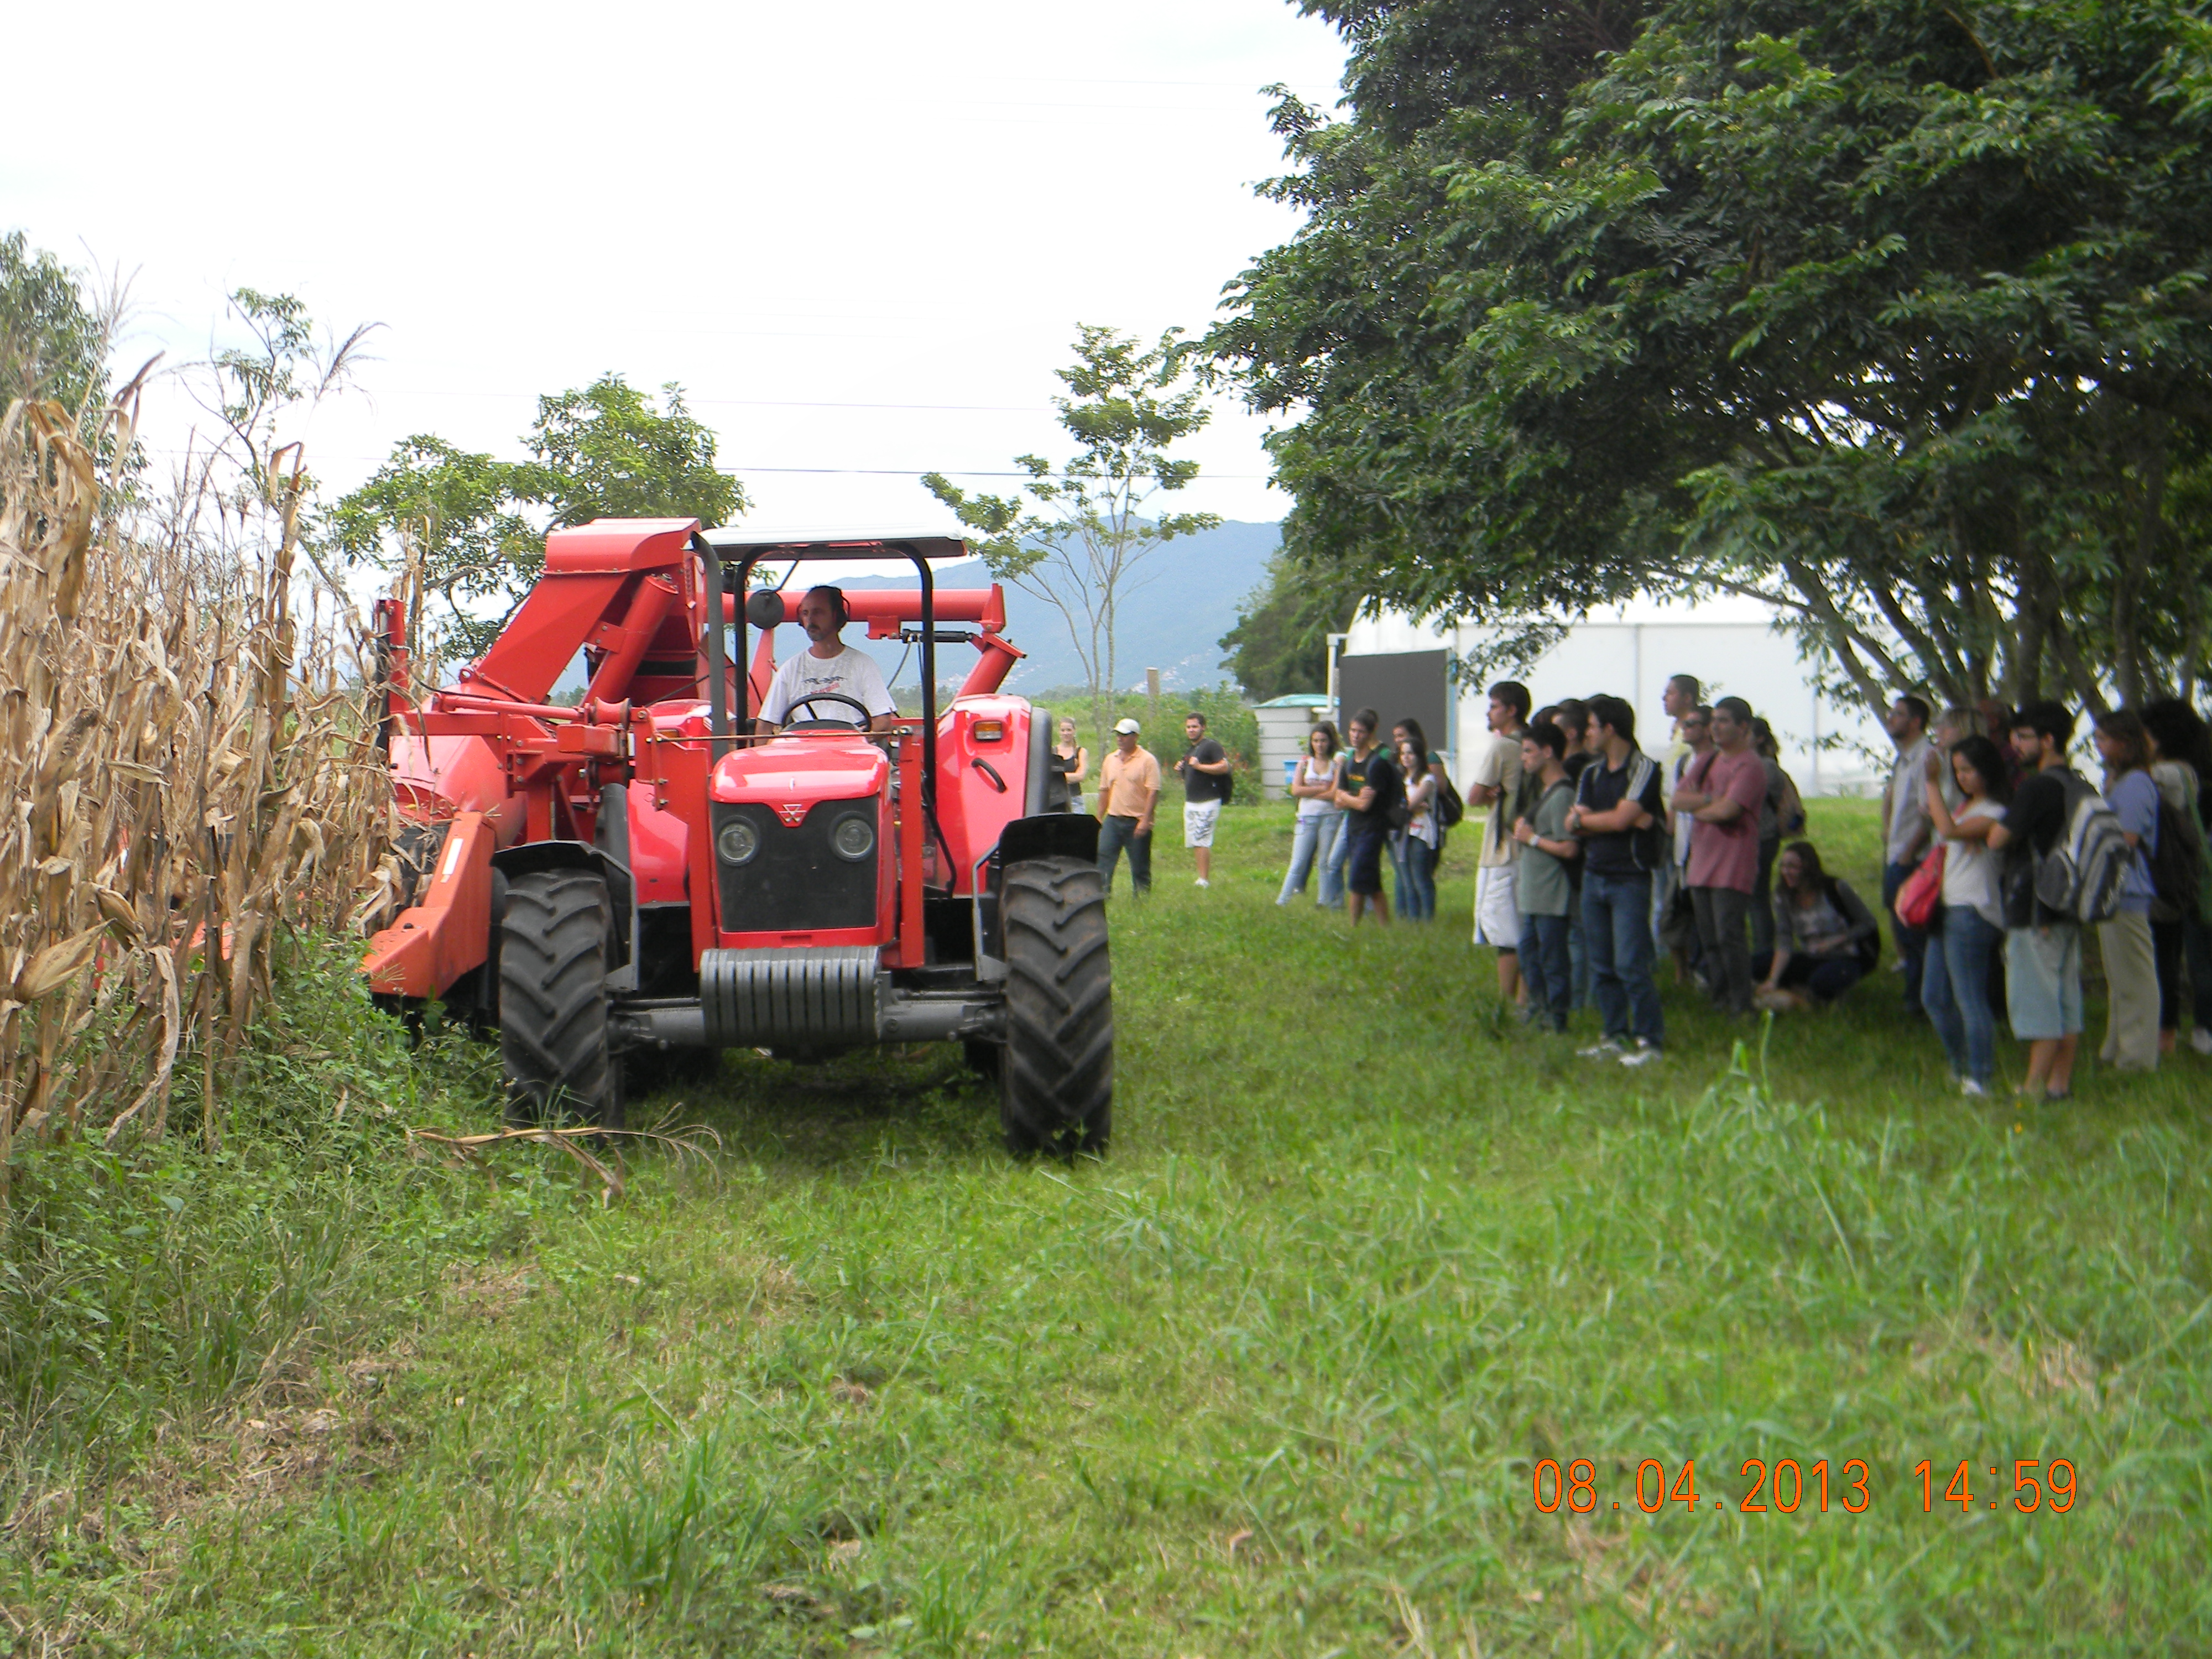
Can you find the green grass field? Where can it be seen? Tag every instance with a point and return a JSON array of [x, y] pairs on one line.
[[1274, 1378]]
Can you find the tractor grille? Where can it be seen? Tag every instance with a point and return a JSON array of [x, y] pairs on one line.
[[795, 882], [807, 994]]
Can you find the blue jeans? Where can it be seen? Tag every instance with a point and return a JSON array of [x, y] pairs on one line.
[[1333, 863], [1114, 834], [1544, 966], [1417, 878], [1578, 977], [1954, 989], [1315, 838], [1617, 933], [1912, 943]]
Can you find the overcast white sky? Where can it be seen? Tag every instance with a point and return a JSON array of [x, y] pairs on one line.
[[861, 237]]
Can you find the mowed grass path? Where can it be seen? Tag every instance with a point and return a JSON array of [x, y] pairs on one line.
[[1272, 1377]]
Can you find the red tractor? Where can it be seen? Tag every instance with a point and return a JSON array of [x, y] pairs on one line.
[[648, 871]]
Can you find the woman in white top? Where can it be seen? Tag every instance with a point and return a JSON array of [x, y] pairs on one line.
[[1076, 763], [1415, 846], [1321, 821], [1954, 987]]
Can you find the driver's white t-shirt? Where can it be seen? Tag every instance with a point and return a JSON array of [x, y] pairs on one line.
[[851, 672]]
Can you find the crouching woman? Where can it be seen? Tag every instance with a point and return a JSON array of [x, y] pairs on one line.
[[1825, 940]]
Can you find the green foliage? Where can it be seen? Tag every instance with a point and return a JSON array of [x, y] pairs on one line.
[[474, 526], [1281, 642], [605, 452], [462, 516], [1075, 535], [1892, 316], [52, 343], [153, 1283]]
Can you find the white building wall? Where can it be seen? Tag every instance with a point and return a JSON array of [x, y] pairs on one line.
[[1730, 644]]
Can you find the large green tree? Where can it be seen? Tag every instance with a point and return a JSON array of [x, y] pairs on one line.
[[1077, 535], [1895, 315], [470, 529]]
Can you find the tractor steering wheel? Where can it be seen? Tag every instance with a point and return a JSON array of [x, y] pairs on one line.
[[858, 707]]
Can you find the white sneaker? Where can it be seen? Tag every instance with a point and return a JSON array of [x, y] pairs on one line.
[[1203, 882], [1972, 1090], [1643, 1055], [2201, 1040], [1604, 1048]]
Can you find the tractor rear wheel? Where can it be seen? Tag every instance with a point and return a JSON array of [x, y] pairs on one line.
[[555, 948], [1056, 1075]]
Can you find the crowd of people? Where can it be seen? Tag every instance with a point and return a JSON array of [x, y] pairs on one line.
[[1596, 860]]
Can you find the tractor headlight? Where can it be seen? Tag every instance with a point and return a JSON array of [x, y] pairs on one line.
[[854, 838], [738, 842]]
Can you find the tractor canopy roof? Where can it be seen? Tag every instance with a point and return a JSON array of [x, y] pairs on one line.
[[734, 544]]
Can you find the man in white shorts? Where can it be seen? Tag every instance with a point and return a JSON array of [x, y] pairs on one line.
[[1496, 782], [1204, 771], [828, 664]]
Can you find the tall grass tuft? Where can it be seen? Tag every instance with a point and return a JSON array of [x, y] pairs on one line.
[[193, 779]]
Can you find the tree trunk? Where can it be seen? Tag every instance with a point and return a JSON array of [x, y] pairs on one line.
[[2128, 664]]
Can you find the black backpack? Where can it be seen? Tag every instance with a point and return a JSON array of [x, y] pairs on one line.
[[2177, 862], [1450, 809]]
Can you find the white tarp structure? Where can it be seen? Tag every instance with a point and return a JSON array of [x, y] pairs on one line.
[[1730, 643]]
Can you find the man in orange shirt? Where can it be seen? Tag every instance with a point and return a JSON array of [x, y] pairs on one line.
[[1128, 795]]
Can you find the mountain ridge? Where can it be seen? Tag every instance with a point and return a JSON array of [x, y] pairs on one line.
[[1185, 597]]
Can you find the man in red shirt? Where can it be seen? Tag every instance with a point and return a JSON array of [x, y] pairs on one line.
[[1721, 792]]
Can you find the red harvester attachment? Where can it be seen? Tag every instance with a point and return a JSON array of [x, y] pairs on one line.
[[649, 872]]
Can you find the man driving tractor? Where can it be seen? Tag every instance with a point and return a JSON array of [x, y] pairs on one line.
[[828, 667]]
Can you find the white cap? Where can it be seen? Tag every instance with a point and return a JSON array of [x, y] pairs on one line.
[[1128, 728]]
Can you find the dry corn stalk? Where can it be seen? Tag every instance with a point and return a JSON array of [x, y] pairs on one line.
[[189, 778]]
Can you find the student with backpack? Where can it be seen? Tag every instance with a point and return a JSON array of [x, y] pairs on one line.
[[2043, 939], [1545, 889], [1616, 817], [2130, 965], [1369, 789]]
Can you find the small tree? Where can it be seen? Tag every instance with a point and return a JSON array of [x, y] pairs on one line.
[[1075, 536], [52, 344], [473, 527], [1281, 642], [459, 517], [605, 452]]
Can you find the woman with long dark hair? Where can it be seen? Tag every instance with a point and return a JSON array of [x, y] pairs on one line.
[[1825, 938], [1954, 987], [1415, 844], [1320, 821], [2181, 765]]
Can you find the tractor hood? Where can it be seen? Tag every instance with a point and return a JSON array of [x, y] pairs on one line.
[[797, 771]]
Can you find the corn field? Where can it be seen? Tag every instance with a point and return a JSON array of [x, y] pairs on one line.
[[195, 775]]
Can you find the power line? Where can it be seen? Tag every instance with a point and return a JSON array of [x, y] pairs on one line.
[[754, 403], [818, 471], [949, 471]]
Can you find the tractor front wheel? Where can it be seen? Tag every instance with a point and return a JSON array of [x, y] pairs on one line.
[[555, 948], [1056, 1076]]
